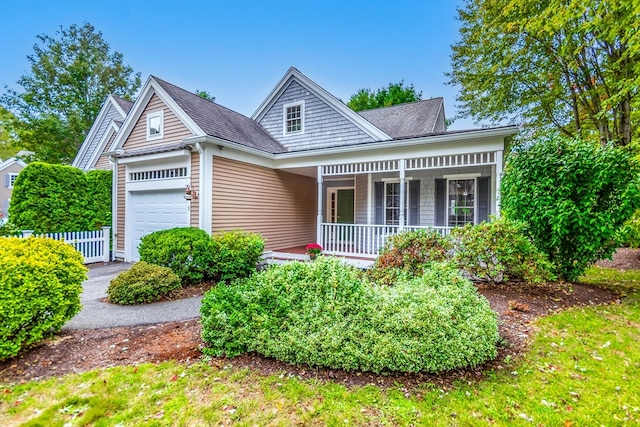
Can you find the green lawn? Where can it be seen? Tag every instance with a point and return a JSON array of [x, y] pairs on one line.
[[582, 369]]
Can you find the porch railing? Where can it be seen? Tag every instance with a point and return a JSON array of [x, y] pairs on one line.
[[363, 240], [93, 245]]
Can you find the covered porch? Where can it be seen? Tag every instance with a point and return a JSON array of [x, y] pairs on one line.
[[360, 205]]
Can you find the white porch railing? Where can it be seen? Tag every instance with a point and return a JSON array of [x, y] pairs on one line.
[[93, 245], [363, 240]]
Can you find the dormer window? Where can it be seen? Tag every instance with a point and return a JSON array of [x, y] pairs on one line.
[[294, 118], [155, 125]]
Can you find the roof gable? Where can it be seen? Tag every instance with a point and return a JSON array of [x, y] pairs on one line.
[[12, 161], [408, 120], [293, 75], [113, 108]]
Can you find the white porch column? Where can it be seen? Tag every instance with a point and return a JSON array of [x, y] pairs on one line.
[[319, 217], [369, 198], [499, 155], [205, 192], [401, 222]]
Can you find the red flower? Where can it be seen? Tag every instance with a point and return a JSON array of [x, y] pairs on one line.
[[314, 248]]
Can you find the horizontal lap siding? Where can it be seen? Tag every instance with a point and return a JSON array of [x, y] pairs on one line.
[[111, 114], [279, 205], [103, 161], [195, 184], [174, 130], [120, 209]]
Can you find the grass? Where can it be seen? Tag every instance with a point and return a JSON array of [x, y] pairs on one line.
[[583, 368]]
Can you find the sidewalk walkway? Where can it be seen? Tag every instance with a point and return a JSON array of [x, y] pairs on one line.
[[97, 314]]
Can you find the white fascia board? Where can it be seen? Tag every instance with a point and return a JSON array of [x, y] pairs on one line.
[[111, 129], [233, 151], [154, 157], [94, 128], [323, 94], [12, 161], [150, 87]]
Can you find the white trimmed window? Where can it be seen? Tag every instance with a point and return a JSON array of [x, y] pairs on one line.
[[392, 203], [461, 196], [293, 121], [155, 125], [11, 179]]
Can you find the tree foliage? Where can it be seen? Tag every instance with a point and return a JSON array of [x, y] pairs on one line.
[[205, 94], [71, 75], [7, 147], [574, 196], [394, 94], [573, 65]]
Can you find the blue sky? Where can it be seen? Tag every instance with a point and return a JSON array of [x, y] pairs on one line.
[[239, 50]]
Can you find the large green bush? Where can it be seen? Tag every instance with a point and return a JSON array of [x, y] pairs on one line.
[[499, 251], [574, 195], [142, 283], [327, 314], [236, 254], [186, 251], [50, 198], [409, 253], [40, 286]]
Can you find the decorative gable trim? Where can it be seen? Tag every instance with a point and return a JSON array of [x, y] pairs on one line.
[[150, 88], [100, 148], [97, 123], [293, 74], [12, 161]]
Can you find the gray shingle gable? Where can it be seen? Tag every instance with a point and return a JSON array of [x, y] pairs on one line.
[[221, 122], [408, 120]]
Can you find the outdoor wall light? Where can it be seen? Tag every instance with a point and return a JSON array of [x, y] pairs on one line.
[[190, 193]]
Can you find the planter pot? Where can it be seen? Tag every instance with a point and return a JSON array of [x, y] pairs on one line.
[[312, 257]]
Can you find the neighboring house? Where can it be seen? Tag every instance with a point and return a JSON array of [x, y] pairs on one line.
[[101, 135], [304, 168], [9, 170]]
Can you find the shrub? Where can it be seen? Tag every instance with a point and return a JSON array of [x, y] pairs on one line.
[[185, 250], [409, 253], [142, 283], [499, 251], [40, 286], [235, 254], [327, 314], [574, 195], [50, 198], [631, 231]]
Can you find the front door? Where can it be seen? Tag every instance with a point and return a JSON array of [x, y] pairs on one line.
[[345, 206]]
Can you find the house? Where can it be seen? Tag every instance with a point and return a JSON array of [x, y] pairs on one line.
[[101, 135], [9, 170], [303, 168]]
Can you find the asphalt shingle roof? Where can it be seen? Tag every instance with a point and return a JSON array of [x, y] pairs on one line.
[[406, 120], [221, 122], [123, 103]]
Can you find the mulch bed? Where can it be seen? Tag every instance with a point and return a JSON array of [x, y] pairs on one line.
[[518, 305]]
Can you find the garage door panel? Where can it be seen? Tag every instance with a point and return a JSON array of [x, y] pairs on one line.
[[156, 210]]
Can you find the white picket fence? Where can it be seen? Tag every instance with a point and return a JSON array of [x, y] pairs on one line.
[[93, 245]]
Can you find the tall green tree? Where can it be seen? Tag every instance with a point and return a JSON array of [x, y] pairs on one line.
[[395, 93], [7, 147], [71, 75], [573, 65]]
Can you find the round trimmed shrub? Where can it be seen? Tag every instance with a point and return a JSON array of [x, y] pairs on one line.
[[185, 250], [142, 283], [236, 254], [40, 287], [500, 251], [409, 253], [328, 314]]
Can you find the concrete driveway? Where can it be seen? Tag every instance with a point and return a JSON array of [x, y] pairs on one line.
[[98, 314]]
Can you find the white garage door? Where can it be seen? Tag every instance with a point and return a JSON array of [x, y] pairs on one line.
[[156, 210]]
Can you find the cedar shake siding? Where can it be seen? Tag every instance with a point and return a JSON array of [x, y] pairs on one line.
[[120, 209], [103, 161], [194, 219], [323, 126], [174, 130], [279, 205]]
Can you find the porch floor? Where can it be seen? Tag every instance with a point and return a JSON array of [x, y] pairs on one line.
[[299, 253]]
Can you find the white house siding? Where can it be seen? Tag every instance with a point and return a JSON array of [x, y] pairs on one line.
[[112, 114], [5, 192], [323, 126]]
